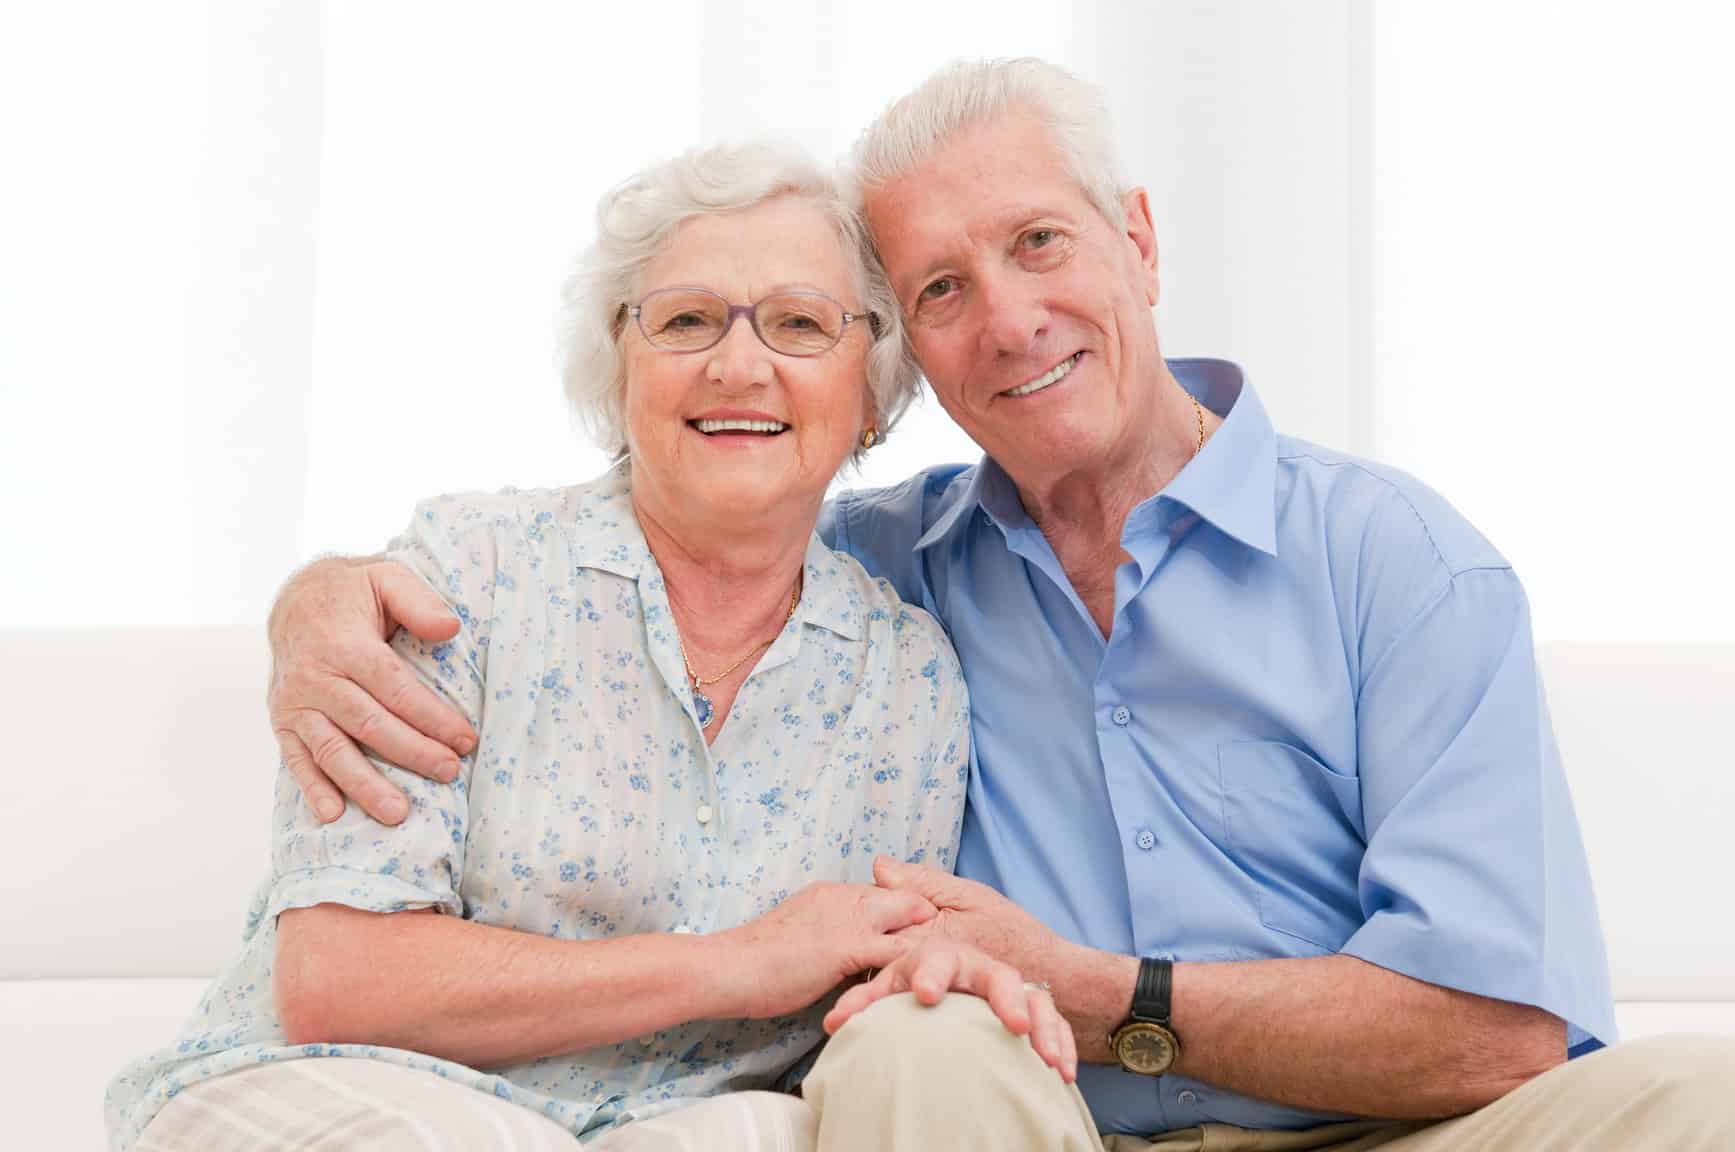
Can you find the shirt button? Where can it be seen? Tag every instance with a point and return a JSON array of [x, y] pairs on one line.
[[1189, 1097], [1146, 839], [704, 814], [1122, 715]]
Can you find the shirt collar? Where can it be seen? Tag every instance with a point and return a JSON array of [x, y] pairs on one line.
[[606, 535], [605, 530], [1232, 482]]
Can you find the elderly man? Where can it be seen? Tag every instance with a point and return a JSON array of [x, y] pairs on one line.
[[1264, 788]]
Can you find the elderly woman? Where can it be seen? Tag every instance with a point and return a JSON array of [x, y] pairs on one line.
[[696, 727]]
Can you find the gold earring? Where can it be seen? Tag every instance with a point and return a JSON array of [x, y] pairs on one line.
[[870, 438]]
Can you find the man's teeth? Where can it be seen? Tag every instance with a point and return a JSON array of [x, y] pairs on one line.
[[1052, 376], [710, 426]]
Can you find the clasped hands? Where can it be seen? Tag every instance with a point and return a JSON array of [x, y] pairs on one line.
[[977, 942], [921, 928]]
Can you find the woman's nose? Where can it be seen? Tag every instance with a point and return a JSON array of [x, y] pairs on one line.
[[740, 360]]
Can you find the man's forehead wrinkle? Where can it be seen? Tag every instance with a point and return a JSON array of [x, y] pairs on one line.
[[952, 237]]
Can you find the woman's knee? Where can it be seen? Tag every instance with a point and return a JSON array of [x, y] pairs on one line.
[[329, 1101]]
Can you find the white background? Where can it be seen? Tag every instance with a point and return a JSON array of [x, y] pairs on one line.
[[271, 272]]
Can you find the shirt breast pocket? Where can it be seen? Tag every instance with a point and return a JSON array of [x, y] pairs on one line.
[[1294, 827]]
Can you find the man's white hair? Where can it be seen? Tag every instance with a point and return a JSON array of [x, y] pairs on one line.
[[638, 216], [967, 93]]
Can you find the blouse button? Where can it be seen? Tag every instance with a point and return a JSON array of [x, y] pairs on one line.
[[704, 814]]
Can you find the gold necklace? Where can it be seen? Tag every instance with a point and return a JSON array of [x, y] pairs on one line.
[[1199, 411], [702, 703]]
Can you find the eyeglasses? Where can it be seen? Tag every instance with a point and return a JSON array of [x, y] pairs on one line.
[[791, 323]]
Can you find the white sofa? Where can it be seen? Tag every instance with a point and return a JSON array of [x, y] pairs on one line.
[[138, 786]]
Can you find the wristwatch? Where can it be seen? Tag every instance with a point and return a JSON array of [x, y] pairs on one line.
[[1145, 1043]]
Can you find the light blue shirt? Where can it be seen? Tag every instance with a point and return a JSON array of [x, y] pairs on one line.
[[593, 808], [1317, 727]]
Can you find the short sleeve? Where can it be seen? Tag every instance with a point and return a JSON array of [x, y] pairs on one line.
[[881, 528], [1475, 875], [939, 801], [452, 544]]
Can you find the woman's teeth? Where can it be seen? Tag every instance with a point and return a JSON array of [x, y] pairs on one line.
[[771, 427], [1052, 376]]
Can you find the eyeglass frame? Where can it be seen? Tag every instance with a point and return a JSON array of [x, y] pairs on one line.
[[749, 310]]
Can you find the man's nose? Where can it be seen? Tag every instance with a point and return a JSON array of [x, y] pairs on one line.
[[740, 360], [1013, 315]]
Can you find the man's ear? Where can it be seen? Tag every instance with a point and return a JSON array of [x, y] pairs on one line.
[[1136, 206]]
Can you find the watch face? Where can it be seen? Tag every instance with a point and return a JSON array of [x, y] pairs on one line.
[[1145, 1048]]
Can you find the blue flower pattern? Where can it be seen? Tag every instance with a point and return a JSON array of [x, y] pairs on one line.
[[593, 808]]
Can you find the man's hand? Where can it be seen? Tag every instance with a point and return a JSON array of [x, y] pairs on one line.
[[938, 965], [335, 681], [814, 941], [976, 915]]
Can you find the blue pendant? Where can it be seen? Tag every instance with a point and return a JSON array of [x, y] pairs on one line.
[[702, 704]]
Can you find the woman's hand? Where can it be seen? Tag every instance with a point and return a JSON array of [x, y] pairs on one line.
[[938, 965], [814, 941], [333, 665], [975, 914]]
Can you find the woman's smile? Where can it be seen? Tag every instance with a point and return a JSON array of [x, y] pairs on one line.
[[735, 426]]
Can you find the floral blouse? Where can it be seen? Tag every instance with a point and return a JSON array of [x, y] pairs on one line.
[[593, 808]]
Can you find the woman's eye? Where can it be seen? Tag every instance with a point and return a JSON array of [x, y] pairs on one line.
[[937, 289], [800, 323], [685, 320]]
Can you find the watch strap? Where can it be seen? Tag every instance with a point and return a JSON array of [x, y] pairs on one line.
[[1151, 992]]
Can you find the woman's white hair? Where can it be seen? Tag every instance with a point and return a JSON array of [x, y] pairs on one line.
[[971, 92], [636, 218]]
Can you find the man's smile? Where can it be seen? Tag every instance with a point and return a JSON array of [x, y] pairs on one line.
[[1048, 379]]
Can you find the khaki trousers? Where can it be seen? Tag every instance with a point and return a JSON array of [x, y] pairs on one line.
[[901, 1077], [1663, 1092]]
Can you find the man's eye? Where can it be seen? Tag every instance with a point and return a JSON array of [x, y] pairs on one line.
[[1039, 238]]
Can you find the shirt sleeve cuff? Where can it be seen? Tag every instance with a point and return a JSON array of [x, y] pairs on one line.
[[354, 888], [1385, 941]]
